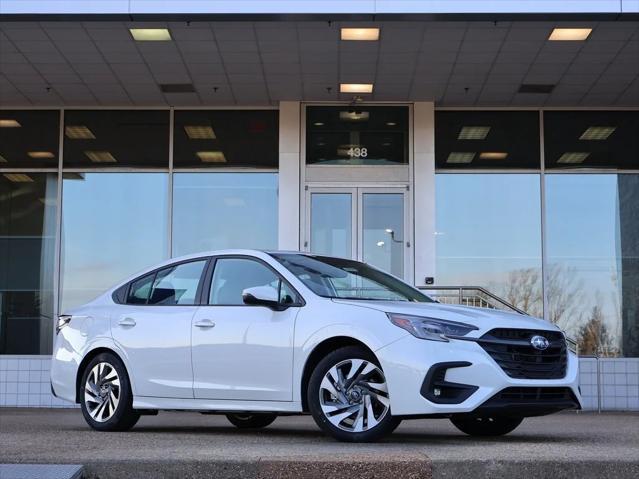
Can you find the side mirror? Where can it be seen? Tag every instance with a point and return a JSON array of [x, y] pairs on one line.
[[262, 296]]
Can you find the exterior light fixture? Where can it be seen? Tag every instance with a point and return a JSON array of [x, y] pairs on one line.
[[150, 34], [356, 88], [380, 243], [569, 34], [360, 34]]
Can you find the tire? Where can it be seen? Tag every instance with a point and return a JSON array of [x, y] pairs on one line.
[[251, 421], [359, 389], [106, 398], [486, 426]]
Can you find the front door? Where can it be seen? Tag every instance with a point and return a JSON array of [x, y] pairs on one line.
[[243, 352], [366, 224]]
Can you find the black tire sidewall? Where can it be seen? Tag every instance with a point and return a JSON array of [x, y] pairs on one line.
[[125, 416], [498, 427], [252, 421], [386, 425]]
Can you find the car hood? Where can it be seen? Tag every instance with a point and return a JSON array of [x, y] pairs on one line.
[[483, 318]]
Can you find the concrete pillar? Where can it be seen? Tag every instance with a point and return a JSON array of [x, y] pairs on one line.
[[424, 189], [289, 176]]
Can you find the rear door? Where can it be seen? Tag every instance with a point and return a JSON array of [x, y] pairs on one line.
[[154, 329]]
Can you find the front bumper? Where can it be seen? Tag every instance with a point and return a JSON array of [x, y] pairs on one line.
[[406, 363]]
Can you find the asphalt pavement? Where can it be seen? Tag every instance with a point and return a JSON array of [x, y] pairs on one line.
[[179, 444]]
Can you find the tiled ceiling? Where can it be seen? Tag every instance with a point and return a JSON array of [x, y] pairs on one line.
[[262, 63]]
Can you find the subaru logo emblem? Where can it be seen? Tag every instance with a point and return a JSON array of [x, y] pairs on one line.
[[539, 342]]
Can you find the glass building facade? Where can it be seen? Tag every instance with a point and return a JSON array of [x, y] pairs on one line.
[[540, 207]]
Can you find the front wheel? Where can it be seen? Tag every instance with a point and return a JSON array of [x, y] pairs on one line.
[[251, 421], [487, 426], [106, 397], [348, 396]]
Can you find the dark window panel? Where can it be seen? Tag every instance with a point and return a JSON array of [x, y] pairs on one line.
[[29, 138], [27, 246], [591, 139], [226, 138], [357, 135], [116, 138], [487, 139]]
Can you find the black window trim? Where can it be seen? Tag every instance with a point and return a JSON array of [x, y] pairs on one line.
[[208, 282], [198, 293]]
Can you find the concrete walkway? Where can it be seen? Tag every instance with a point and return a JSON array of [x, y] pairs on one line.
[[175, 444]]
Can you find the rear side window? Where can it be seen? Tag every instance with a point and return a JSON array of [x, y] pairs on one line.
[[140, 290], [177, 285]]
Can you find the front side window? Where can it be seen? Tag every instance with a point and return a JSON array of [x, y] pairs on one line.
[[233, 275], [346, 279], [177, 285]]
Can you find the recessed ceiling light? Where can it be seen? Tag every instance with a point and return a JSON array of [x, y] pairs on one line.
[[390, 123], [573, 157], [78, 132], [9, 123], [211, 156], [150, 34], [354, 115], [460, 157], [597, 132], [40, 155], [356, 88], [100, 156], [18, 177], [199, 132], [473, 133], [318, 123], [359, 34], [493, 155], [569, 34]]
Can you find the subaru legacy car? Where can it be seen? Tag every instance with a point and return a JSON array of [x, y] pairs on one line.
[[254, 335]]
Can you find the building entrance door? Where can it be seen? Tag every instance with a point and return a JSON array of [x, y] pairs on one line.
[[367, 224]]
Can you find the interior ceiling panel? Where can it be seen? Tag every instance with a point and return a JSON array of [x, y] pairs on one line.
[[450, 63]]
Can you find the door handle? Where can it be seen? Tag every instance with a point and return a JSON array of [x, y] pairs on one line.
[[127, 322], [204, 323]]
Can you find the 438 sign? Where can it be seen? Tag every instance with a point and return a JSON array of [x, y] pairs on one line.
[[358, 152]]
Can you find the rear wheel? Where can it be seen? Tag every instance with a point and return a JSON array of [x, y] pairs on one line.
[[487, 426], [106, 398], [251, 421], [348, 396]]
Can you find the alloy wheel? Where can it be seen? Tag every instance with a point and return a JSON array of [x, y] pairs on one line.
[[353, 395], [102, 392]]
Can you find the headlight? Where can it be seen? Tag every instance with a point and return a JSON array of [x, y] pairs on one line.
[[63, 320], [571, 344], [430, 328]]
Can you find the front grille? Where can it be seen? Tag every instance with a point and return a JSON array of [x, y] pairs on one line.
[[511, 349]]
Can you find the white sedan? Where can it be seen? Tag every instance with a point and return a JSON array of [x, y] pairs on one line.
[[254, 334]]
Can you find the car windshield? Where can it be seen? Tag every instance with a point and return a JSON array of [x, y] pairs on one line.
[[346, 279]]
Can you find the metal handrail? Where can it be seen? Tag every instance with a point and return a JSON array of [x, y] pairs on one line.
[[461, 289]]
